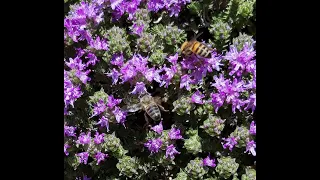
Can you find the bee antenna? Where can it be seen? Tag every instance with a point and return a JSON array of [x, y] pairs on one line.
[[196, 36]]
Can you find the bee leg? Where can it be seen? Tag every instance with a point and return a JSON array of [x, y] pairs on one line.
[[147, 121], [162, 108]]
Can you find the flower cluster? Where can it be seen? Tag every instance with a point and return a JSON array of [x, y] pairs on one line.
[[172, 6], [108, 111], [164, 138], [199, 68]]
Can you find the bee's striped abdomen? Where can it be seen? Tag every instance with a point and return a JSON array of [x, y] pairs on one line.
[[196, 46], [187, 52], [154, 112], [201, 50], [206, 52]]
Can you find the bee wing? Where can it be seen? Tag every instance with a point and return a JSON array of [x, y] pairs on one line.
[[132, 107]]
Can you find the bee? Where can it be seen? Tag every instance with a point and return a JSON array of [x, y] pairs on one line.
[[195, 47], [151, 105]]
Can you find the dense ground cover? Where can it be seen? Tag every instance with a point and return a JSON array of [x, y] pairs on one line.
[[116, 51]]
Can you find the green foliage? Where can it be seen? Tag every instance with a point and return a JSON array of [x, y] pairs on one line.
[[193, 144], [195, 169], [221, 33], [249, 175], [118, 42], [243, 133], [128, 166], [241, 40], [147, 43], [182, 105], [181, 175], [170, 36], [213, 125], [226, 167]]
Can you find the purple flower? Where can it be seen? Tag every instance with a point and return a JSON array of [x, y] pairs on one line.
[[217, 100], [153, 145], [171, 151], [185, 82], [71, 92], [83, 178], [99, 44], [115, 3], [174, 134], [86, 178], [100, 157], [251, 84], [251, 102], [114, 74], [76, 22], [198, 67], [198, 75], [229, 143], [237, 104], [81, 52], [228, 92], [119, 115], [69, 131], [84, 138], [149, 74], [99, 108], [251, 145], [83, 76], [209, 162], [197, 97], [112, 102], [158, 128], [220, 82], [131, 8], [238, 61], [128, 71], [118, 12], [174, 10], [155, 5], [117, 59], [190, 62], [166, 78], [65, 111], [85, 35], [99, 2], [252, 130], [137, 28], [76, 63], [214, 61], [251, 67], [104, 122], [83, 157], [139, 62], [140, 88], [98, 139], [152, 74], [66, 146], [92, 59], [173, 59]]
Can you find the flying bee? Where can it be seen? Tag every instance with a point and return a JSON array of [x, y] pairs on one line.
[[151, 106], [195, 47]]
